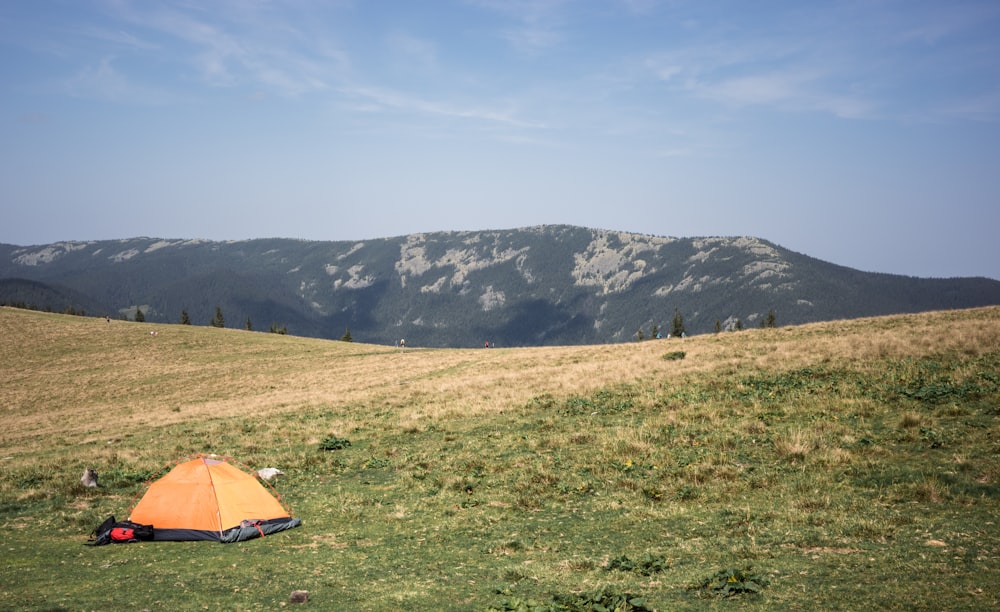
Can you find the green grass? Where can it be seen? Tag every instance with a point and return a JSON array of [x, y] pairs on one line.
[[833, 484]]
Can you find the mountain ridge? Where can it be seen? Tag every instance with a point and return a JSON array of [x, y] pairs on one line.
[[547, 284]]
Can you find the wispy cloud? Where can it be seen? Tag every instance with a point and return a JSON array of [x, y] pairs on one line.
[[784, 90], [249, 48], [938, 22], [851, 60], [378, 99], [103, 81], [118, 37], [413, 52], [855, 61], [766, 74], [538, 24]]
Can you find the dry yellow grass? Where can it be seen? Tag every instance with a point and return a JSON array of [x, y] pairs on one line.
[[70, 376]]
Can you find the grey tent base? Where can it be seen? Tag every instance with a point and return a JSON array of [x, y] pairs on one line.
[[248, 530], [258, 529]]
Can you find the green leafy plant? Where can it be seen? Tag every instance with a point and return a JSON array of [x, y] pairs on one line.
[[647, 566], [334, 443], [601, 600], [733, 582], [577, 602], [931, 437], [376, 463]]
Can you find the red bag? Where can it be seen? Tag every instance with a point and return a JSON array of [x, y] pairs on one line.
[[123, 534]]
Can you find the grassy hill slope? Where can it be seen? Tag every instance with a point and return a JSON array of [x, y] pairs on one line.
[[843, 464]]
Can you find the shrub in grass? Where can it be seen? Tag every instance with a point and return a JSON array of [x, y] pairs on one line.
[[909, 420], [931, 437], [578, 602], [686, 493], [674, 355], [334, 443], [652, 494], [869, 529], [601, 600], [528, 502], [647, 566], [930, 490], [733, 582], [795, 445], [507, 547]]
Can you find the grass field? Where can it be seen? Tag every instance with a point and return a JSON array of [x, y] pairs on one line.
[[844, 465]]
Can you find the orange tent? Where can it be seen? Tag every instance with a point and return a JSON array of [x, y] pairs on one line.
[[208, 498]]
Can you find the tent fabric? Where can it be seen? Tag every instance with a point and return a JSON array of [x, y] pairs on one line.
[[259, 529], [208, 498], [235, 534]]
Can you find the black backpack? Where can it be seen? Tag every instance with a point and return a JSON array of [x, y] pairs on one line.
[[119, 532]]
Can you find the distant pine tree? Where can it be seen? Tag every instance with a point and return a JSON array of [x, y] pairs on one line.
[[248, 326], [139, 317], [185, 319], [218, 320], [347, 335], [677, 328]]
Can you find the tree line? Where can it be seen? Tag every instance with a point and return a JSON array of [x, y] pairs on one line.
[[219, 320], [677, 329], [70, 310]]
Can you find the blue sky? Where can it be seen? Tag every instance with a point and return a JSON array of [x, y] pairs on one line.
[[865, 133]]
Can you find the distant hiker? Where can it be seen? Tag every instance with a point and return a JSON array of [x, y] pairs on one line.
[[402, 343], [89, 478], [486, 344]]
